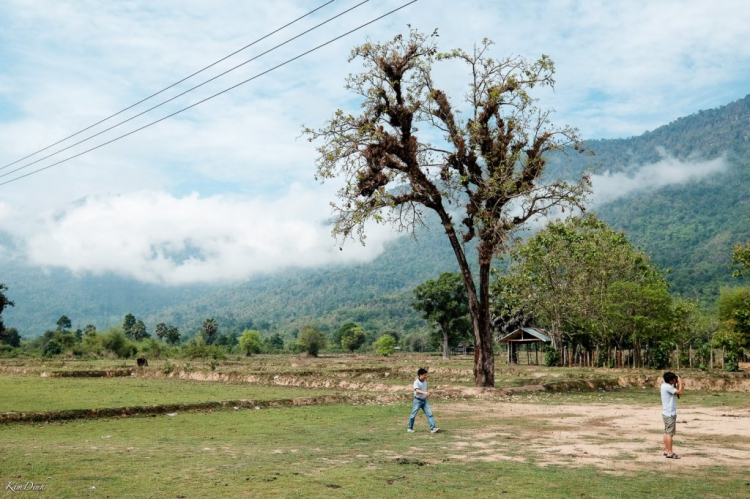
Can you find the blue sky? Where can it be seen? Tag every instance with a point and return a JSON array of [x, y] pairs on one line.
[[232, 180]]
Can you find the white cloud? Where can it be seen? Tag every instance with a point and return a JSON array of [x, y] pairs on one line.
[[155, 237], [622, 68], [669, 171]]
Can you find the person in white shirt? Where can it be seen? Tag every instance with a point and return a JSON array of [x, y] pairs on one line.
[[420, 402], [671, 387]]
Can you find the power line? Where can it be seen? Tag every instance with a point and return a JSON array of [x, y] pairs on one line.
[[183, 93], [170, 86], [214, 95]]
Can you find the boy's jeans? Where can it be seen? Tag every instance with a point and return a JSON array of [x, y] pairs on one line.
[[425, 406]]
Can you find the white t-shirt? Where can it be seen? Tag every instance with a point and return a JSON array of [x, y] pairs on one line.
[[422, 386], [668, 404]]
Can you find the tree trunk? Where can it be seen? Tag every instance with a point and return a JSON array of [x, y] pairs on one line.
[[479, 307], [484, 357], [446, 348]]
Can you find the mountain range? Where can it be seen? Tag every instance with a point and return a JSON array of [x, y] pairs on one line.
[[687, 224]]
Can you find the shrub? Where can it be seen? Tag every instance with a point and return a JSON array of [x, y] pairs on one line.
[[385, 345], [52, 348], [417, 342], [660, 354], [732, 361], [551, 356], [353, 338], [168, 367], [204, 352], [92, 343], [154, 349], [196, 348], [250, 342], [311, 340], [273, 343], [116, 342], [8, 351]]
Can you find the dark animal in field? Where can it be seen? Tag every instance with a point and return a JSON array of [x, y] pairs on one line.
[[142, 362]]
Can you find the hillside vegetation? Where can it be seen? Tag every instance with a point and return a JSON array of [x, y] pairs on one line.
[[689, 228]]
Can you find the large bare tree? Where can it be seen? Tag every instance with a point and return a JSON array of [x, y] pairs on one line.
[[410, 150]]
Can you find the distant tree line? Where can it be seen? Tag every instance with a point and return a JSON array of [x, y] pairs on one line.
[[602, 301], [133, 339]]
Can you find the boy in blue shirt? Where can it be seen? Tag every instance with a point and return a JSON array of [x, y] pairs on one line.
[[420, 402]]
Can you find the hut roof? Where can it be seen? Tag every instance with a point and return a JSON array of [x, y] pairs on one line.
[[526, 335]]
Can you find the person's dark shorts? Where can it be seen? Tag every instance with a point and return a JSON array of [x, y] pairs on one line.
[[670, 424]]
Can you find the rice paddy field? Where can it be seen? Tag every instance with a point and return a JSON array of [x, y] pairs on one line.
[[335, 426]]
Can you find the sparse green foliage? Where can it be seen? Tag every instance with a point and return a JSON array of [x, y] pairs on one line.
[[487, 169]]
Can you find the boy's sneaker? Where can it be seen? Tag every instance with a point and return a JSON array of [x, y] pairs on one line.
[[409, 430], [434, 430]]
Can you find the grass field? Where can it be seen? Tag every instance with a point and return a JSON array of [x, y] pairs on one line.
[[27, 393], [538, 444]]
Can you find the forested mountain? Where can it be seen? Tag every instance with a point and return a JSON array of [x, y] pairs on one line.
[[688, 227]]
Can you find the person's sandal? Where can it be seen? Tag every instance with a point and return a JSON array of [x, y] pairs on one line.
[[672, 456]]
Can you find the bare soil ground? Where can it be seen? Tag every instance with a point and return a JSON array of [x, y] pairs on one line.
[[614, 438]]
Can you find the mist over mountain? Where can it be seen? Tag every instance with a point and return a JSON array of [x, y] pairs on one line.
[[688, 226], [679, 192]]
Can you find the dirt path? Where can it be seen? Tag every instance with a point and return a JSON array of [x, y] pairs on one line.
[[614, 438]]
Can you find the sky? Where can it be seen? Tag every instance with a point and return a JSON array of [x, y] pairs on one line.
[[226, 190]]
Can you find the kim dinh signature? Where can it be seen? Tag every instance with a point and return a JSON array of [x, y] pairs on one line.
[[26, 485]]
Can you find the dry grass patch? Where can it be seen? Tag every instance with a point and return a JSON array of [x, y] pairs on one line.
[[600, 435]]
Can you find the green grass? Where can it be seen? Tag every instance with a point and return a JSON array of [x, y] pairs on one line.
[[36, 394], [324, 451], [341, 450]]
